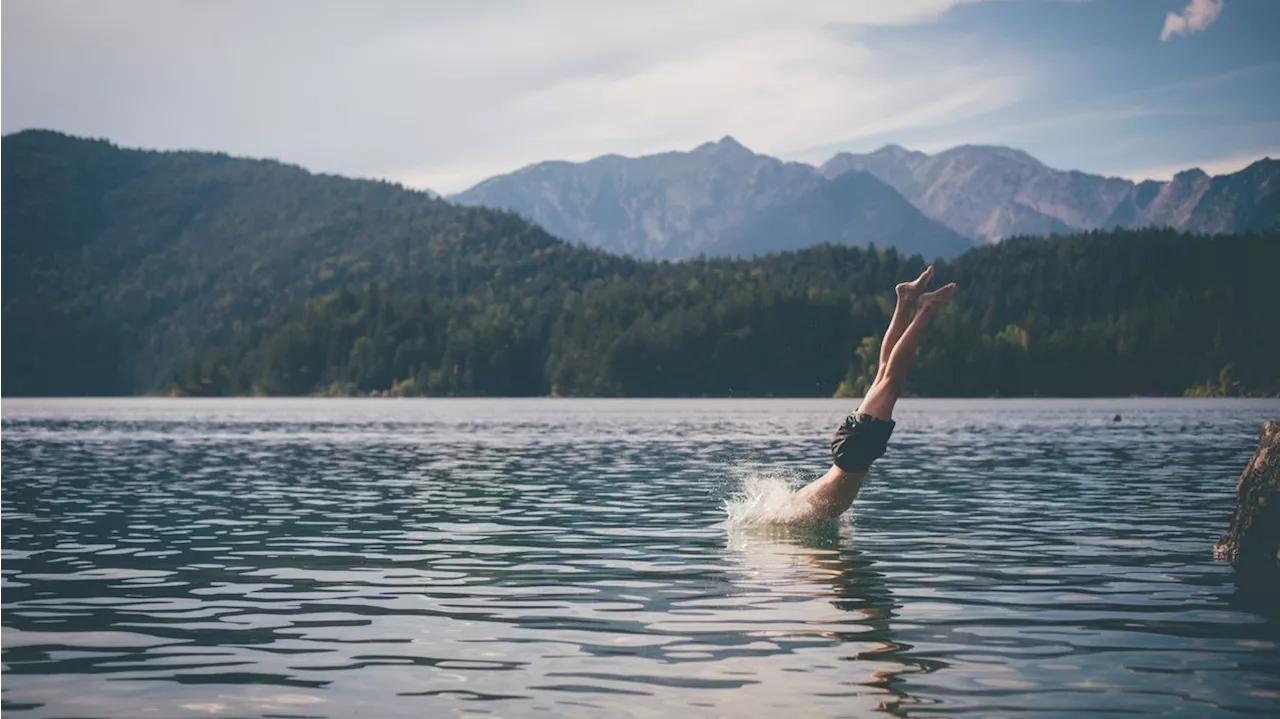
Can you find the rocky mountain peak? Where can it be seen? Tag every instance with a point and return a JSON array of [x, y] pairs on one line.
[[726, 146], [679, 204]]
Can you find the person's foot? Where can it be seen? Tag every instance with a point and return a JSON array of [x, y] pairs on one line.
[[931, 302], [910, 291]]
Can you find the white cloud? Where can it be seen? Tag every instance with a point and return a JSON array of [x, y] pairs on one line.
[[1196, 16], [442, 94]]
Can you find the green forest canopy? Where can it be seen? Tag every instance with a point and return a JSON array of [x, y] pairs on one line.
[[129, 272]]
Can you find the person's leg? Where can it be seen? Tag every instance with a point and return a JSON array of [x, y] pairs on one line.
[[883, 395], [862, 437], [908, 295], [828, 496]]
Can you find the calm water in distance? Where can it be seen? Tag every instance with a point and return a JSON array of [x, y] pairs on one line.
[[547, 558]]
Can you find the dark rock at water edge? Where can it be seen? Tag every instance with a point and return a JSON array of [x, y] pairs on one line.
[[1252, 543]]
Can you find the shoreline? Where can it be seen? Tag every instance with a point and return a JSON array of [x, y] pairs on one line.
[[634, 397]]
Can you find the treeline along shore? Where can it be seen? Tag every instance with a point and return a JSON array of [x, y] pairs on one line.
[[129, 272]]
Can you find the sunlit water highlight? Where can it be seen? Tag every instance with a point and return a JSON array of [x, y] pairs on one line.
[[587, 558]]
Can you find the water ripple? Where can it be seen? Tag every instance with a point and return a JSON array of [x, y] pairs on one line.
[[572, 558]]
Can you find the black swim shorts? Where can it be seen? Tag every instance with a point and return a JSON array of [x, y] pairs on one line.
[[860, 441]]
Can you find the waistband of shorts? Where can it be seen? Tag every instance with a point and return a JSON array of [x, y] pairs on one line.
[[864, 418]]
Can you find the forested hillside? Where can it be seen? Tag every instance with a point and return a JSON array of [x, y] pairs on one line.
[[117, 263], [139, 272], [1105, 314]]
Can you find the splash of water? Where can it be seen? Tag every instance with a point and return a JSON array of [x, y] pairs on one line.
[[766, 497]]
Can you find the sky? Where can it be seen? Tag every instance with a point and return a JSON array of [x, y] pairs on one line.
[[441, 94]]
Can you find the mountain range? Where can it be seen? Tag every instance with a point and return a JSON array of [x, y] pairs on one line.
[[131, 271], [722, 199]]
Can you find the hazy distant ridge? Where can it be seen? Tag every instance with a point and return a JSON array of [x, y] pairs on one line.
[[723, 199], [989, 193], [718, 199]]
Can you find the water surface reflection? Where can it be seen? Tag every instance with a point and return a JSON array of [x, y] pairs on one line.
[[566, 558]]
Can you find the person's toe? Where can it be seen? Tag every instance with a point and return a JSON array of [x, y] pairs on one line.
[[915, 287]]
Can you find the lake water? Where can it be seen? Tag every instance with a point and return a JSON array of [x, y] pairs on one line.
[[424, 558]]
